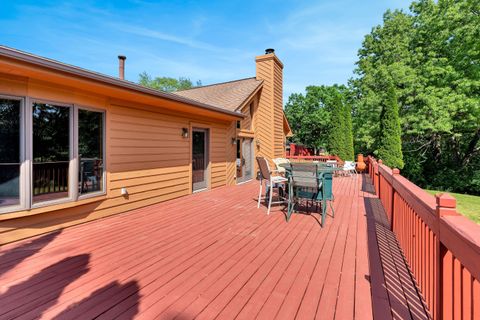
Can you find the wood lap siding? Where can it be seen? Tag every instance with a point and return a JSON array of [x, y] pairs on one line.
[[218, 138], [231, 155], [279, 142], [162, 151], [246, 123], [264, 118], [269, 115], [145, 153]]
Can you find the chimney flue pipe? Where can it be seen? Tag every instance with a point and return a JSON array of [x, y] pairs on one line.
[[121, 67]]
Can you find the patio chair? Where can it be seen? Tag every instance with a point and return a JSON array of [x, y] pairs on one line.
[[278, 162], [332, 163], [325, 195], [271, 182], [349, 167], [305, 183]]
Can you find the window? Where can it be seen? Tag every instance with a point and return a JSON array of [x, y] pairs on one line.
[[10, 152], [51, 152], [238, 124], [90, 151], [238, 149]]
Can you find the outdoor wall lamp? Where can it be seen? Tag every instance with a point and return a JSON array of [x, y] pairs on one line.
[[234, 141], [258, 142], [185, 132]]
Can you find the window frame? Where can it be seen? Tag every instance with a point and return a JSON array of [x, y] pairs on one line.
[[26, 154], [71, 165], [104, 152], [22, 183]]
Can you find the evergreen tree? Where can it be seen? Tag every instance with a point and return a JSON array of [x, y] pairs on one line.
[[389, 140], [336, 139], [348, 135]]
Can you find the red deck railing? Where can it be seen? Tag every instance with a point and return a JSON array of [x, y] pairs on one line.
[[441, 247], [312, 158]]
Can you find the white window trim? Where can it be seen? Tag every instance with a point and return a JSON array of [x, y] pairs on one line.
[[23, 168], [26, 155], [71, 177], [104, 153]]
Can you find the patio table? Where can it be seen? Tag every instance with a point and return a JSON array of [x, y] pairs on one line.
[[321, 170]]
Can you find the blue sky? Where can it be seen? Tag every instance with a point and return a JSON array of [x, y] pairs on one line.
[[211, 41]]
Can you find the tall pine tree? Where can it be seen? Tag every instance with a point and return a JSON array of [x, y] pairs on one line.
[[389, 139], [348, 133], [336, 139]]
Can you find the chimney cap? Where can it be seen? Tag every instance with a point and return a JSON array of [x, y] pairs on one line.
[[269, 50], [122, 57]]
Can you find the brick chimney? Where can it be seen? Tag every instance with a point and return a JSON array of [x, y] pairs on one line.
[[270, 132]]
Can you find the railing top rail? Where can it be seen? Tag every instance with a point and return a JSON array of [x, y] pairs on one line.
[[459, 234], [462, 237]]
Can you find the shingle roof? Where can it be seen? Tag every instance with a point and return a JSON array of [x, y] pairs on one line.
[[226, 95]]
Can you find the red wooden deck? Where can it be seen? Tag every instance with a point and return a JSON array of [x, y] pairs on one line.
[[214, 255]]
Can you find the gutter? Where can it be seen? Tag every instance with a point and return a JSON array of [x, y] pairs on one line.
[[95, 76]]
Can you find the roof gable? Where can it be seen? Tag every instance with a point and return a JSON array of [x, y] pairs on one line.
[[227, 95]]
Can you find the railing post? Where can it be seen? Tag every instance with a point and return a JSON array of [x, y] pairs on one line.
[[377, 179], [446, 206], [395, 172]]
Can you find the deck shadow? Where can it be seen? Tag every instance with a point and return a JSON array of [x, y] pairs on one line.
[[124, 297], [366, 185], [14, 256], [33, 296], [394, 293]]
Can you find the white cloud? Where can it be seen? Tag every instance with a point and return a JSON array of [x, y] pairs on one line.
[[155, 34]]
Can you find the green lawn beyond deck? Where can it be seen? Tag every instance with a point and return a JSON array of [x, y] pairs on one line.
[[467, 205]]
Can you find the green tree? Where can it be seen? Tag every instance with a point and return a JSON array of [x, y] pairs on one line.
[[309, 115], [432, 55], [389, 139], [348, 133], [336, 138], [166, 84]]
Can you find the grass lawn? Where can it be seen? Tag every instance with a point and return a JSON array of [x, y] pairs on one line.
[[467, 205]]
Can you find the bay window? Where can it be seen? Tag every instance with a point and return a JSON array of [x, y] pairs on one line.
[[49, 153]]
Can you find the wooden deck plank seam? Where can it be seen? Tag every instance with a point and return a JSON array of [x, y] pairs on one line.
[[236, 277], [190, 257], [259, 212], [220, 229], [331, 299]]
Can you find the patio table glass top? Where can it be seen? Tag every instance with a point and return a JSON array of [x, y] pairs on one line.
[[321, 167]]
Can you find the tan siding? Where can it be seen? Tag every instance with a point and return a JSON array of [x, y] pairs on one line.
[[231, 154], [279, 142], [247, 123], [264, 118], [218, 151], [145, 154], [269, 119]]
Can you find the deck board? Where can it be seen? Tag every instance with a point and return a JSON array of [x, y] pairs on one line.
[[214, 255]]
